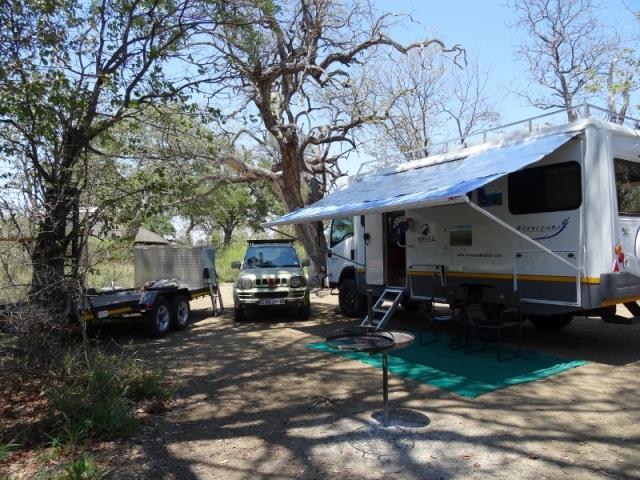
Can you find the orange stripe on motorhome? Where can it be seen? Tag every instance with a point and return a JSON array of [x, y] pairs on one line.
[[509, 276]]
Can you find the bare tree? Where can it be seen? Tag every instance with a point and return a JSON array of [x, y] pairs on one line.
[[565, 46], [294, 71], [620, 83], [468, 105], [415, 86], [432, 100]]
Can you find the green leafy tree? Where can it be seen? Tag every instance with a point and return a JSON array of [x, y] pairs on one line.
[[231, 206], [70, 72]]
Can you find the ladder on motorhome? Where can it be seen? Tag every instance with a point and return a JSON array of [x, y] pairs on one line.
[[385, 306]]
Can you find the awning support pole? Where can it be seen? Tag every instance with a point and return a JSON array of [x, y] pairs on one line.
[[521, 235]]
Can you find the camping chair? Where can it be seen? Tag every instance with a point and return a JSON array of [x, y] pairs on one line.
[[452, 324], [486, 320]]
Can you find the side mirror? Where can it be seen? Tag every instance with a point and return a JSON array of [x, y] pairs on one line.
[[235, 265], [305, 262]]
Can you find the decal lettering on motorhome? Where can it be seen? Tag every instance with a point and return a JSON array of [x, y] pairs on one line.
[[550, 230], [427, 234]]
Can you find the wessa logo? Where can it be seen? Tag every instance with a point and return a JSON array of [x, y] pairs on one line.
[[427, 234]]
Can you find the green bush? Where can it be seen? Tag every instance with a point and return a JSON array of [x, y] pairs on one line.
[[95, 406], [6, 449], [140, 383], [98, 401], [82, 467], [224, 257]]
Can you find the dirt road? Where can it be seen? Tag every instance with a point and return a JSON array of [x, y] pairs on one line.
[[253, 402]]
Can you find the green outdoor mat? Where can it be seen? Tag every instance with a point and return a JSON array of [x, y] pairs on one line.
[[469, 375]]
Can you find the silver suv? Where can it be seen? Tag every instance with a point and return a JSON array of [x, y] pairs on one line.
[[271, 275]]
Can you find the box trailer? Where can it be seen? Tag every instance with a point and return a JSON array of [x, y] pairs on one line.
[[552, 213], [168, 278]]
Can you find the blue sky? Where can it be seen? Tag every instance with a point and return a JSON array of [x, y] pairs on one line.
[[482, 27]]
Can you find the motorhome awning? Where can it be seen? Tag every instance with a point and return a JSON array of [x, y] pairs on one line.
[[420, 184]]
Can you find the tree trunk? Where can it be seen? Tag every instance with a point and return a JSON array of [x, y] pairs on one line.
[[226, 239], [56, 251], [311, 235]]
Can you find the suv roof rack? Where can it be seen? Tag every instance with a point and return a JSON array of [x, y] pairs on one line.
[[272, 240]]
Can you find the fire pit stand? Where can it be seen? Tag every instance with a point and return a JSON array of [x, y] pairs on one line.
[[367, 339]]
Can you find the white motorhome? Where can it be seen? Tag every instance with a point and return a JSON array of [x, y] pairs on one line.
[[552, 213]]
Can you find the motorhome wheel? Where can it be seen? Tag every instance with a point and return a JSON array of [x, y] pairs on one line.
[[352, 303]]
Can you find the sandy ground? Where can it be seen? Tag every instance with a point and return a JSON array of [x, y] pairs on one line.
[[253, 402]]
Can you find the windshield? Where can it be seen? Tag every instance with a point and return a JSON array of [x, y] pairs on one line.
[[271, 256]]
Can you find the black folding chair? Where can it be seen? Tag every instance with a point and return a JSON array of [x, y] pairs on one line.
[[452, 324], [486, 321]]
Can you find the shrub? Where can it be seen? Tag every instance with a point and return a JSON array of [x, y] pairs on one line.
[[94, 406], [6, 449], [99, 401], [82, 467], [143, 384], [234, 252]]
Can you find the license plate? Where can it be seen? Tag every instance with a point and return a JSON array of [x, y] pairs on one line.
[[271, 301]]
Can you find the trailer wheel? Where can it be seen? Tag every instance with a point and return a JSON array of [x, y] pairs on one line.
[[553, 323], [180, 312], [352, 303], [158, 321]]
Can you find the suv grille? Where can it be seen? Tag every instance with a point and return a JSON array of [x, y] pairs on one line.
[[271, 294], [274, 281]]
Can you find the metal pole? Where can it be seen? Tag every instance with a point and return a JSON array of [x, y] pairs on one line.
[[370, 307], [385, 387]]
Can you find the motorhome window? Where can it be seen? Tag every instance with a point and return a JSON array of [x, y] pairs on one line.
[[341, 228], [550, 188], [627, 186]]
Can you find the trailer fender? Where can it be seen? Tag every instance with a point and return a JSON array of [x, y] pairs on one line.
[[148, 300]]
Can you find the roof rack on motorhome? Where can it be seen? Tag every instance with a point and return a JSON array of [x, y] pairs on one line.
[[523, 127]]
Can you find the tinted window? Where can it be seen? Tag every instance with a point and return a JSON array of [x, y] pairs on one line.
[[627, 186], [341, 228], [270, 256], [550, 188]]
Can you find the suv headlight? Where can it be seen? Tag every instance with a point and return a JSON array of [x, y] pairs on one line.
[[245, 283], [297, 282]]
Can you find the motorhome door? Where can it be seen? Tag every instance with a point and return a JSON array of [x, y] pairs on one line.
[[627, 175], [374, 249], [395, 252]]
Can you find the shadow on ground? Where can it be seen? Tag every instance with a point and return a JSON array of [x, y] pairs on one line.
[[254, 402]]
